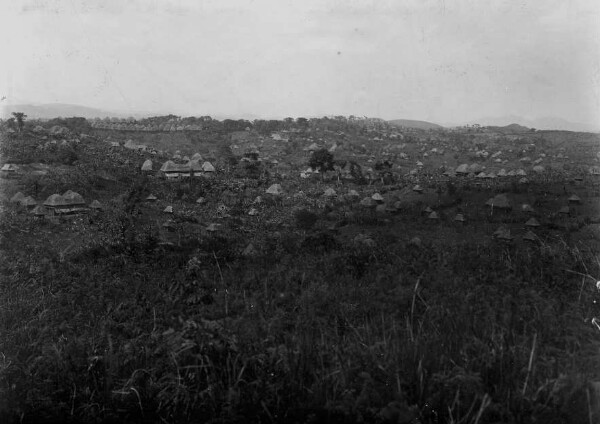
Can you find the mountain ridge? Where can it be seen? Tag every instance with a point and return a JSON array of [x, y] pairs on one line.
[[543, 123], [65, 110], [413, 123]]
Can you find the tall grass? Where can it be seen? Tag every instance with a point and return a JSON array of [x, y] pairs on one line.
[[472, 334]]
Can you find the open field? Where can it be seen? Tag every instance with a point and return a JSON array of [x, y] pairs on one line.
[[312, 304]]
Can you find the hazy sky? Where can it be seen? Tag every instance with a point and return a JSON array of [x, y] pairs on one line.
[[444, 61]]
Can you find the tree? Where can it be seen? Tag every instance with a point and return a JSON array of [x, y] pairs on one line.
[[302, 123], [322, 160], [20, 118], [10, 122]]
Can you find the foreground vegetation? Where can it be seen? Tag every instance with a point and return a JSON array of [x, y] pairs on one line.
[[304, 332]]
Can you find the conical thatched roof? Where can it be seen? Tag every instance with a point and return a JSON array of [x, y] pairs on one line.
[[353, 193], [459, 217], [194, 165], [377, 197], [96, 205], [130, 144], [55, 200], [250, 251], [39, 210], [73, 198], [475, 168], [574, 199], [147, 165], [433, 215], [168, 209], [28, 202], [530, 236], [329, 192], [169, 166], [151, 198], [208, 167], [275, 190], [450, 173], [500, 201], [525, 207], [197, 156], [213, 227], [9, 167], [418, 188], [502, 173], [462, 169], [532, 222], [253, 212]]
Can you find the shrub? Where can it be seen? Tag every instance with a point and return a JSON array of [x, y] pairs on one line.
[[451, 187], [322, 160], [305, 219], [319, 243]]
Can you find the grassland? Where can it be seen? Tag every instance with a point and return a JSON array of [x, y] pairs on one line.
[[337, 314]]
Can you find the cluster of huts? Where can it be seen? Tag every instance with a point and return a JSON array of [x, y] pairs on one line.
[[478, 171], [69, 203], [131, 126], [194, 167]]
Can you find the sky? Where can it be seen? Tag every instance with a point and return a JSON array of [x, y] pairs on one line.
[[446, 61]]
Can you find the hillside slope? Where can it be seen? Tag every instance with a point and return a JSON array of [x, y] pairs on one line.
[[55, 110], [409, 123]]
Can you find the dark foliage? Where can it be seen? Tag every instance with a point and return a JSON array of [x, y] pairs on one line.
[[322, 160], [305, 219]]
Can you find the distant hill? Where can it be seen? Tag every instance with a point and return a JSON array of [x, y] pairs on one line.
[[546, 123], [55, 110], [511, 129], [409, 123]]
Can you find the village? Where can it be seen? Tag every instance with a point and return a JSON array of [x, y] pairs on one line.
[[376, 170]]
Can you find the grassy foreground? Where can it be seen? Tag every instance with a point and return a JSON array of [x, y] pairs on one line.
[[306, 331]]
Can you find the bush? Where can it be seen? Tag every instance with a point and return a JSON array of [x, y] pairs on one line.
[[66, 156], [319, 243], [322, 160], [451, 187], [305, 219]]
